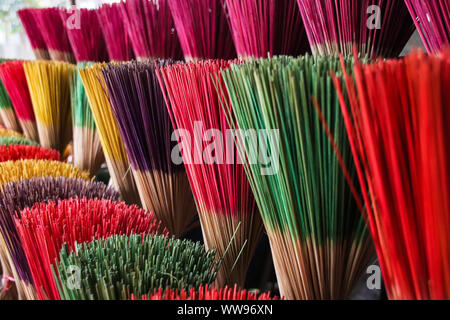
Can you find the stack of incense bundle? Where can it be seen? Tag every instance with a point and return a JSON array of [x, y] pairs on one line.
[[203, 29], [151, 29], [116, 36], [49, 86], [28, 18], [17, 196], [266, 27], [143, 262], [228, 214], [397, 121], [87, 149], [113, 148], [146, 130], [47, 227], [378, 28], [319, 241], [7, 114], [14, 79], [53, 31]]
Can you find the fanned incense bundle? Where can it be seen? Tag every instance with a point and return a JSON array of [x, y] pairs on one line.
[[142, 263], [23, 194], [7, 141], [432, 20], [19, 152], [146, 129], [116, 36], [399, 128], [378, 28], [12, 171], [228, 214], [113, 148], [10, 133], [266, 27], [150, 25], [46, 228], [86, 39], [53, 30], [49, 84], [205, 292], [7, 115], [87, 149], [319, 241], [203, 29], [13, 76], [28, 19]]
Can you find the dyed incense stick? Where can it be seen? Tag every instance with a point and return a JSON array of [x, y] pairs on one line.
[[113, 148], [87, 149], [203, 29], [22, 152], [432, 20], [228, 214], [7, 141], [49, 84], [14, 80], [319, 241], [10, 133], [116, 36], [398, 125], [12, 171], [145, 263], [266, 27], [7, 114], [86, 39], [23, 194], [150, 25], [146, 129], [53, 30], [205, 292], [378, 28], [46, 228], [28, 18]]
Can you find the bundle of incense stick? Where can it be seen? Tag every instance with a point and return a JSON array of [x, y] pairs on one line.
[[151, 28], [23, 194], [378, 28], [10, 133], [202, 28], [7, 115], [7, 141], [113, 148], [87, 149], [146, 130], [116, 36], [228, 214], [19, 152], [12, 171], [398, 125], [49, 85], [46, 228], [86, 38], [205, 292], [319, 241], [146, 262], [432, 20], [53, 30], [13, 76], [266, 27], [28, 18]]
